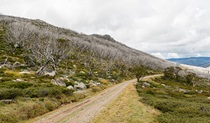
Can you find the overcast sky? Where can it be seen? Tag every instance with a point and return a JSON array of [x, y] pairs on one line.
[[164, 28]]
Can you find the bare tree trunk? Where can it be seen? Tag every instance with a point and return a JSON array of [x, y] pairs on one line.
[[40, 70]]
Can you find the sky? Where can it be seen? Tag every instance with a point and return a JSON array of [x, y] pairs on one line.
[[164, 28]]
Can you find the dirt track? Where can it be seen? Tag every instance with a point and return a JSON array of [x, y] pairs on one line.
[[82, 112]]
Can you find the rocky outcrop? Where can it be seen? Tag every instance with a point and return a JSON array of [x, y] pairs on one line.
[[93, 84], [70, 87], [58, 82], [80, 87]]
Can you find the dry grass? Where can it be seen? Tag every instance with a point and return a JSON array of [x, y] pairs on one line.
[[12, 73], [127, 109]]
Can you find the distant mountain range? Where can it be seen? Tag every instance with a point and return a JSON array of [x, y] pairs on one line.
[[195, 61]]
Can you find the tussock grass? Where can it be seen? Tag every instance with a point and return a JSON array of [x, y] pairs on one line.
[[127, 109]]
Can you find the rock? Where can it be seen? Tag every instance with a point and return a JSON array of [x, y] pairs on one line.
[[199, 91], [70, 87], [80, 87], [82, 72], [58, 82], [93, 84], [45, 71], [181, 90], [163, 85], [65, 78], [18, 80], [7, 101], [208, 98], [16, 64], [25, 72], [76, 83], [16, 45], [49, 73], [146, 84]]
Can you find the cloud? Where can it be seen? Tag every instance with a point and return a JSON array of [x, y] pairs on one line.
[[164, 28]]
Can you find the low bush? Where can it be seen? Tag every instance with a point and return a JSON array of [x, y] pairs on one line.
[[71, 82], [4, 118], [96, 89], [20, 85], [52, 91], [177, 107], [10, 93]]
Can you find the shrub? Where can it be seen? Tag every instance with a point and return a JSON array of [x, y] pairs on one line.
[[71, 82], [96, 89], [10, 93], [51, 105], [104, 81], [166, 106], [20, 85], [47, 91], [5, 118], [177, 107]]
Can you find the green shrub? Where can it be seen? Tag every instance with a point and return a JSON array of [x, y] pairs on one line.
[[67, 91], [171, 117], [11, 93], [4, 118], [166, 106], [177, 107], [71, 82], [47, 91], [20, 85], [51, 105], [150, 91]]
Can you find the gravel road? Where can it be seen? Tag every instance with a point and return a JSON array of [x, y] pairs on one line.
[[82, 112]]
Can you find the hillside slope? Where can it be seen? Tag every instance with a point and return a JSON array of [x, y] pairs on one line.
[[41, 37]]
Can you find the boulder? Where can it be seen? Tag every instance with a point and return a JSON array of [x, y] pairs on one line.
[[80, 87], [18, 80], [181, 90], [146, 84], [25, 72], [163, 85], [7, 101], [49, 73], [70, 87], [93, 84], [16, 64], [76, 83], [58, 82], [45, 71], [65, 78]]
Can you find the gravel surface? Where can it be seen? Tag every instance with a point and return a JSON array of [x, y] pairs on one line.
[[83, 112]]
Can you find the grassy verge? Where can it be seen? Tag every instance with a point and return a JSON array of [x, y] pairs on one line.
[[127, 109], [178, 102]]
